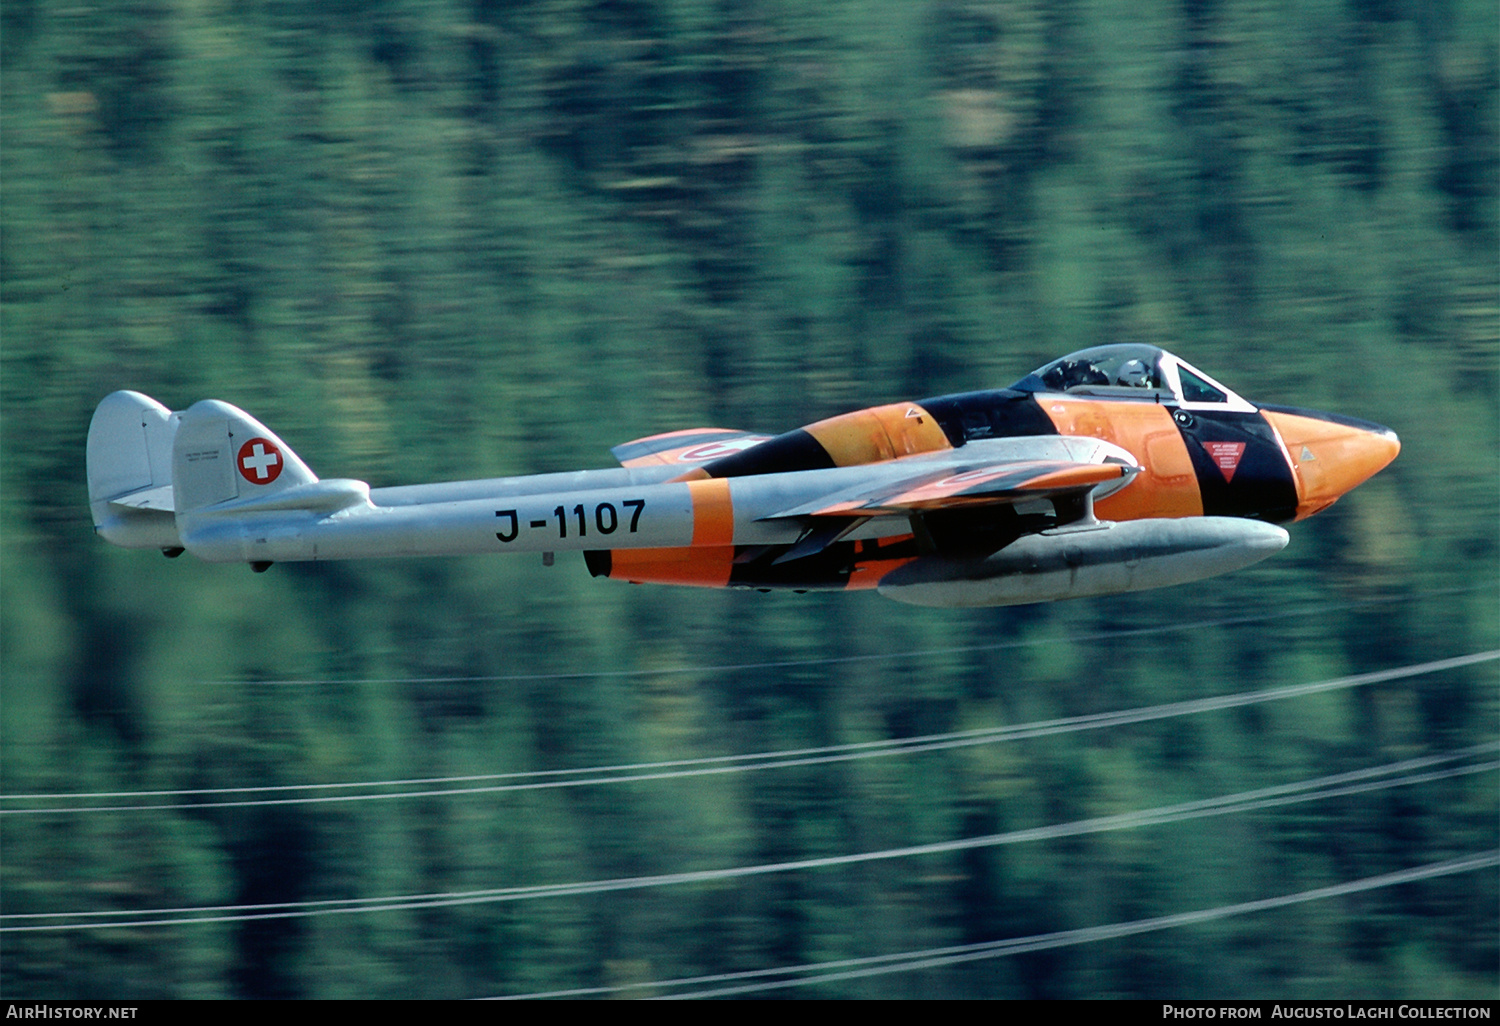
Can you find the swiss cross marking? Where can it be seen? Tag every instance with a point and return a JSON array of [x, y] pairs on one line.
[[1226, 456], [259, 461]]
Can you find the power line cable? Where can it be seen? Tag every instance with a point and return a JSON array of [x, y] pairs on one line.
[[914, 960], [718, 765], [1415, 771]]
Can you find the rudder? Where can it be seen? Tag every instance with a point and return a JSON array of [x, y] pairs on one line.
[[129, 469], [221, 454]]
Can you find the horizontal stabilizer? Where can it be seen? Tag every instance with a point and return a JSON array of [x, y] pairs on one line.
[[158, 497]]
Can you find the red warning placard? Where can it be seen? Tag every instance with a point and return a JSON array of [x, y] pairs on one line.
[[1226, 456]]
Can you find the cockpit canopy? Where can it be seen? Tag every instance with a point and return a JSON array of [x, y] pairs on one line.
[[1130, 371]]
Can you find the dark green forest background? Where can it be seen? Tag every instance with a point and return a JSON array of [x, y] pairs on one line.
[[431, 240]]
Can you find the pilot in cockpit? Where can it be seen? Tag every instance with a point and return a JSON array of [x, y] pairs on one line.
[[1072, 373], [1134, 374], [1120, 369]]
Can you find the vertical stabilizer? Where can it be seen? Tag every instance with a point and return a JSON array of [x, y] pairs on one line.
[[221, 454], [129, 468], [130, 446]]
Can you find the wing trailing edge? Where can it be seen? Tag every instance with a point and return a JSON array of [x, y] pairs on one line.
[[952, 488]]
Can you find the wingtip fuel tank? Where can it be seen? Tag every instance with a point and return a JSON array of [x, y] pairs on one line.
[[1107, 559]]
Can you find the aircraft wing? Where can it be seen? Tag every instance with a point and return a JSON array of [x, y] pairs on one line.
[[685, 448], [949, 488]]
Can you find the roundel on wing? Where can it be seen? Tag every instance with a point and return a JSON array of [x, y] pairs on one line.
[[713, 450], [259, 461]]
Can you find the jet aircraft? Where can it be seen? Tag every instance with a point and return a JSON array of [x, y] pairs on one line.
[[1113, 469]]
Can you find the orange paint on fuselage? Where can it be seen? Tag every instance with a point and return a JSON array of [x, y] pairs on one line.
[[879, 433], [706, 563], [713, 512], [1166, 486], [1328, 458], [705, 567]]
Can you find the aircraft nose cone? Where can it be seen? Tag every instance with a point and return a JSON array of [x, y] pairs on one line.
[[1369, 451], [1331, 454], [1388, 443]]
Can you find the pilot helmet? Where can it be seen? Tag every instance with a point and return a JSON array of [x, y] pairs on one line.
[[1134, 373]]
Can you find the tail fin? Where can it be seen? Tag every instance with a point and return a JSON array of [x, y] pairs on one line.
[[129, 466], [221, 453], [240, 492], [211, 479]]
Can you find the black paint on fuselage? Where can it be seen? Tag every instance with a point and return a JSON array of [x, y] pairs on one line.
[[828, 569], [1260, 485], [996, 413], [794, 450]]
